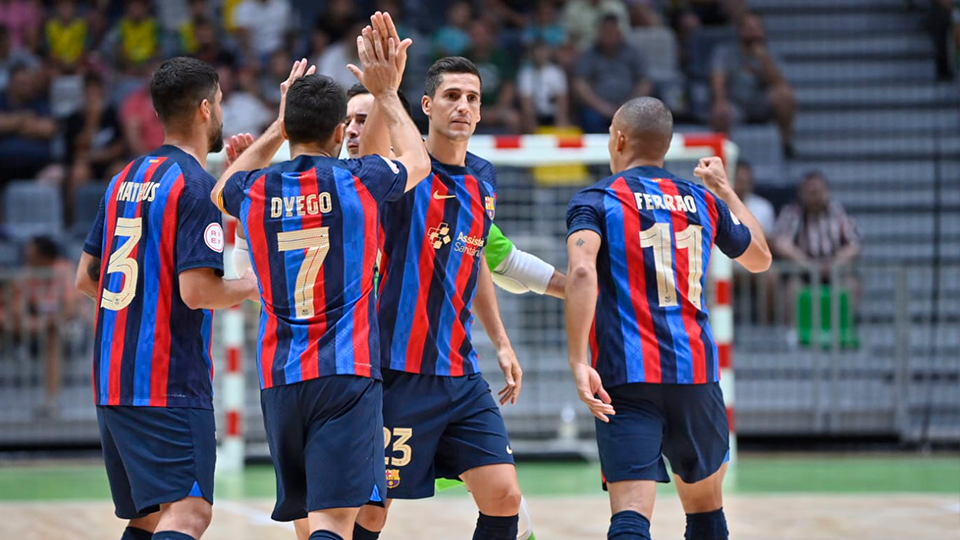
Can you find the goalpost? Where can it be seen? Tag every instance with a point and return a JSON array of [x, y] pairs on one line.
[[524, 151]]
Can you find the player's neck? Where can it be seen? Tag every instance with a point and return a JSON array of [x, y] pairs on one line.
[[313, 150], [194, 146], [641, 162], [447, 151]]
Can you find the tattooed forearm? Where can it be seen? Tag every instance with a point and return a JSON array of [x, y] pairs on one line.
[[93, 270]]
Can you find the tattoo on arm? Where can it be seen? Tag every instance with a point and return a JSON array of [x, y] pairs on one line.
[[580, 242], [93, 270]]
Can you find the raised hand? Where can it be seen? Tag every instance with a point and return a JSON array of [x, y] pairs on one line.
[[237, 145], [298, 70], [713, 174], [383, 23], [379, 47]]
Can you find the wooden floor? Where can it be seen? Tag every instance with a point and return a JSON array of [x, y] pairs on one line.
[[751, 517]]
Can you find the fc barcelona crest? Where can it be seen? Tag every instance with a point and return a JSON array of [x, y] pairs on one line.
[[491, 205], [393, 478]]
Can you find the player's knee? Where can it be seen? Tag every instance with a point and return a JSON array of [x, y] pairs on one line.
[[190, 516], [504, 500], [372, 517]]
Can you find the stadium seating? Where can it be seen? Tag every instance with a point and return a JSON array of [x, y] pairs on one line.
[[32, 208]]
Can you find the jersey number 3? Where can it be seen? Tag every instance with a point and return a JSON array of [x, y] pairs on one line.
[[691, 239], [122, 262], [316, 242]]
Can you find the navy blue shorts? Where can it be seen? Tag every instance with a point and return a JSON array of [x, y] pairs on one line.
[[438, 427], [326, 441], [157, 455], [686, 423]]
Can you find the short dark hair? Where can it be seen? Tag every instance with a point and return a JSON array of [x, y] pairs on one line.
[[359, 89], [742, 163], [449, 64], [648, 122], [316, 105], [179, 85]]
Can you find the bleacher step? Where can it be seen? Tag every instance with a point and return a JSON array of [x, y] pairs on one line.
[[859, 71], [897, 94]]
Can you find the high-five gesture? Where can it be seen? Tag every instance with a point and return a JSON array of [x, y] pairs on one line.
[[383, 56], [298, 70]]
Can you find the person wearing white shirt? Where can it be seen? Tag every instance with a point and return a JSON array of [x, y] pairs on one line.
[[264, 24], [543, 90], [758, 206]]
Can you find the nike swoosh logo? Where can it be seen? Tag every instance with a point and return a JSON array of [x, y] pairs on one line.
[[437, 195], [509, 450]]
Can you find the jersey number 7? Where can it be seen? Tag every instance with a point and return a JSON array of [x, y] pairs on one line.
[[316, 242]]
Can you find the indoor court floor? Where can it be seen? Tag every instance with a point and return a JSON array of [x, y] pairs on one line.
[[783, 498]]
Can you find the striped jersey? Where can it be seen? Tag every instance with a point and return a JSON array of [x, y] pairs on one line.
[[430, 266], [312, 225], [155, 221], [657, 233]]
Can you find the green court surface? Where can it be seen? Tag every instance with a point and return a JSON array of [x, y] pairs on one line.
[[755, 474]]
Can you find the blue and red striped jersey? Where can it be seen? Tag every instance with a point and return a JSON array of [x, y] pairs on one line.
[[312, 225], [155, 221], [657, 230], [430, 266]]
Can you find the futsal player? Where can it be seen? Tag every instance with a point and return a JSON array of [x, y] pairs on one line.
[[153, 262], [312, 227], [643, 238], [512, 270], [440, 418]]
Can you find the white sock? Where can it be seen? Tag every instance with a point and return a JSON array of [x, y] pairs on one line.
[[525, 524]]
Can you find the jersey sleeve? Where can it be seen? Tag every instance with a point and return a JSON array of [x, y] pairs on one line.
[[582, 214], [199, 230], [93, 245], [235, 191], [498, 247], [733, 237], [385, 179]]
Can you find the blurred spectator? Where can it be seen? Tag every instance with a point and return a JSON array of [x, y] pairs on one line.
[[337, 18], [498, 74], [944, 23], [546, 26], [509, 13], [543, 90], [10, 57], [27, 126], [333, 62], [208, 45], [135, 39], [42, 302], [263, 26], [24, 18], [817, 232], [95, 145], [582, 19], [710, 12], [758, 206], [319, 41], [200, 12], [243, 111], [609, 75], [66, 35], [645, 12], [141, 127], [452, 38], [748, 85]]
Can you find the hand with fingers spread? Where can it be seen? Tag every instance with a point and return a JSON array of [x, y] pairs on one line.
[[713, 174], [383, 57], [512, 374], [298, 70], [384, 25], [237, 145], [589, 386]]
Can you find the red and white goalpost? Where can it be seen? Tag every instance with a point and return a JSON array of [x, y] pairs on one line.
[[512, 151]]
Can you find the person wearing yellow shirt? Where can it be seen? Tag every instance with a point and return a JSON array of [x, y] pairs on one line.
[[65, 35]]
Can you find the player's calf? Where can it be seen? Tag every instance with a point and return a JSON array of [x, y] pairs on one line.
[[186, 519], [497, 493], [703, 503]]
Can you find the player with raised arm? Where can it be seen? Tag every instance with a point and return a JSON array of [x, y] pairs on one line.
[[153, 262], [643, 238], [440, 417], [312, 224]]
